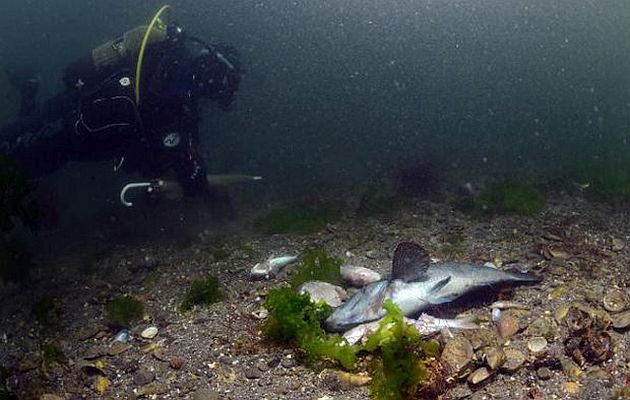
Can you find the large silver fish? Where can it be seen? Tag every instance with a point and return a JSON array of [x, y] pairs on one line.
[[416, 284]]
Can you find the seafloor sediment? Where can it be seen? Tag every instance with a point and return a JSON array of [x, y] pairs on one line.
[[580, 248]]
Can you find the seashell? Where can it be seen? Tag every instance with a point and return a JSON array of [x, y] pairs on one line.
[[496, 314], [621, 320], [323, 291], [458, 354], [495, 357], [149, 333], [358, 276], [261, 313], [616, 300], [478, 376], [537, 344], [618, 244], [507, 325]]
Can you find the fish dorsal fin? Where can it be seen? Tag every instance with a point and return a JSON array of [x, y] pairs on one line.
[[410, 262], [440, 284]]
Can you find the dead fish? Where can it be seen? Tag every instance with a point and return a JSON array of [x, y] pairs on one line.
[[427, 324], [416, 284], [230, 179], [323, 291], [358, 276], [504, 305], [271, 267]]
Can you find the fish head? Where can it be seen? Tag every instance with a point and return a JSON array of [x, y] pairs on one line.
[[366, 305]]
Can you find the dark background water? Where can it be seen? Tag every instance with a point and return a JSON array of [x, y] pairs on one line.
[[341, 91]]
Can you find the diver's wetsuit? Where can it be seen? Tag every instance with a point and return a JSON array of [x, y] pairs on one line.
[[96, 117]]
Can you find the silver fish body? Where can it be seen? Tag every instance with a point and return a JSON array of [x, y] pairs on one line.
[[270, 267], [414, 291], [358, 276]]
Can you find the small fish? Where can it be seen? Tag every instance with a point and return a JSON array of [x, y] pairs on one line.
[[358, 276], [504, 305], [323, 291], [427, 325], [415, 285], [230, 179], [271, 267]]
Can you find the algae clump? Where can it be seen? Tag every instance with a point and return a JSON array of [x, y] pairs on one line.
[[295, 319], [46, 311], [298, 220], [123, 310], [202, 291], [402, 366], [509, 197], [317, 266]]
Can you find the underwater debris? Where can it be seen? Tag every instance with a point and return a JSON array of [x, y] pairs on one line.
[[202, 291], [588, 341]]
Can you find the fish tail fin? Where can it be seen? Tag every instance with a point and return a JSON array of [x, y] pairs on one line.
[[523, 277]]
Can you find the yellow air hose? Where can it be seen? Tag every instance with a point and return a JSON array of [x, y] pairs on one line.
[[143, 46]]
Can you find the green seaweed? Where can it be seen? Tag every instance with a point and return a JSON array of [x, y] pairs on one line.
[[317, 266], [202, 291], [15, 257], [377, 200], [296, 220], [14, 190], [46, 311], [401, 367], [51, 353], [508, 197], [123, 310], [608, 182], [295, 319], [221, 254]]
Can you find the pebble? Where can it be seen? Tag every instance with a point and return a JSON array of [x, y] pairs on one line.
[[273, 363], [507, 325], [149, 333], [616, 300], [514, 360], [544, 373], [621, 320], [457, 354], [478, 376], [495, 357], [177, 362], [252, 373], [618, 244], [151, 389], [118, 348], [143, 377], [323, 291], [545, 327], [206, 394], [537, 344], [263, 366], [288, 362]]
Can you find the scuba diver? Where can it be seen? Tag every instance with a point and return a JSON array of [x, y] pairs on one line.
[[135, 100]]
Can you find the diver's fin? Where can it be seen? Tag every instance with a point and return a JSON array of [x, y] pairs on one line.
[[410, 262], [440, 284]]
